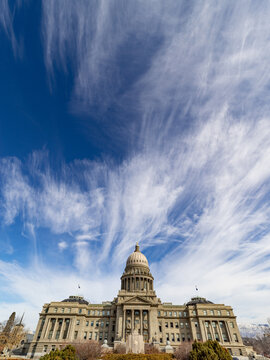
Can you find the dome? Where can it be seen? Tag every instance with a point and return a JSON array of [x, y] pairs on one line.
[[77, 299], [198, 300], [137, 258]]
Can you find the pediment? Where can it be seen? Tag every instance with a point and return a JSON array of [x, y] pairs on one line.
[[138, 300]]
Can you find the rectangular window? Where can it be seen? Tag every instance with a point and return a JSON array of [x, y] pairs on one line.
[[107, 323], [216, 336], [207, 324], [167, 337], [96, 335], [55, 310], [185, 313], [158, 313], [108, 312], [165, 313], [170, 313], [75, 335], [161, 340], [53, 347], [214, 324], [194, 312], [85, 335], [166, 325], [69, 310], [204, 312], [177, 325], [187, 325], [235, 338], [209, 336], [97, 324], [228, 313], [87, 323], [177, 337], [102, 324], [172, 337], [100, 336], [196, 324], [103, 312], [171, 324], [211, 312], [198, 336], [80, 311], [45, 348], [62, 310], [183, 338], [78, 322], [218, 312], [180, 313], [232, 324], [181, 324], [175, 314], [90, 335], [106, 336]]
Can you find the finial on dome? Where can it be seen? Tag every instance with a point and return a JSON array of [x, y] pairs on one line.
[[137, 248]]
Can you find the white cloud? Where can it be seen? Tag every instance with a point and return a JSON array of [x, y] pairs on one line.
[[196, 182], [62, 245]]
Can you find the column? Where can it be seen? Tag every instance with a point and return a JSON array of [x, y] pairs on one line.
[[132, 320], [124, 326], [228, 331], [149, 325], [48, 328], [220, 332], [44, 331], [38, 327], [70, 330], [141, 321], [62, 329]]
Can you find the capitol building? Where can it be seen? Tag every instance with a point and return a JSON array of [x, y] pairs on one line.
[[136, 308]]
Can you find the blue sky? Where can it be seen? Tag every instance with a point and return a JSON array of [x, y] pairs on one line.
[[134, 121]]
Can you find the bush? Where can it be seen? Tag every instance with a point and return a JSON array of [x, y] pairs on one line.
[[120, 349], [68, 353], [210, 350], [182, 352], [137, 357], [150, 349], [88, 350]]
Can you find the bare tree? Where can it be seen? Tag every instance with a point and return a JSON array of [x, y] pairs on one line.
[[182, 352], [120, 349], [150, 349], [88, 350]]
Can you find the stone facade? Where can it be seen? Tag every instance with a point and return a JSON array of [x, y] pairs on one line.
[[136, 308]]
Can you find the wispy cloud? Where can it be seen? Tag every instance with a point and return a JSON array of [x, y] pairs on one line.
[[195, 182], [7, 13], [206, 198]]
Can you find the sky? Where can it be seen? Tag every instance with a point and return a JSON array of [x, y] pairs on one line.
[[125, 121]]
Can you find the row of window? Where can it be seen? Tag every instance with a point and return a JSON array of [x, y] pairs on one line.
[[45, 348], [89, 312], [92, 335], [172, 313], [174, 325], [215, 312], [176, 337], [98, 323], [221, 324], [194, 312]]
